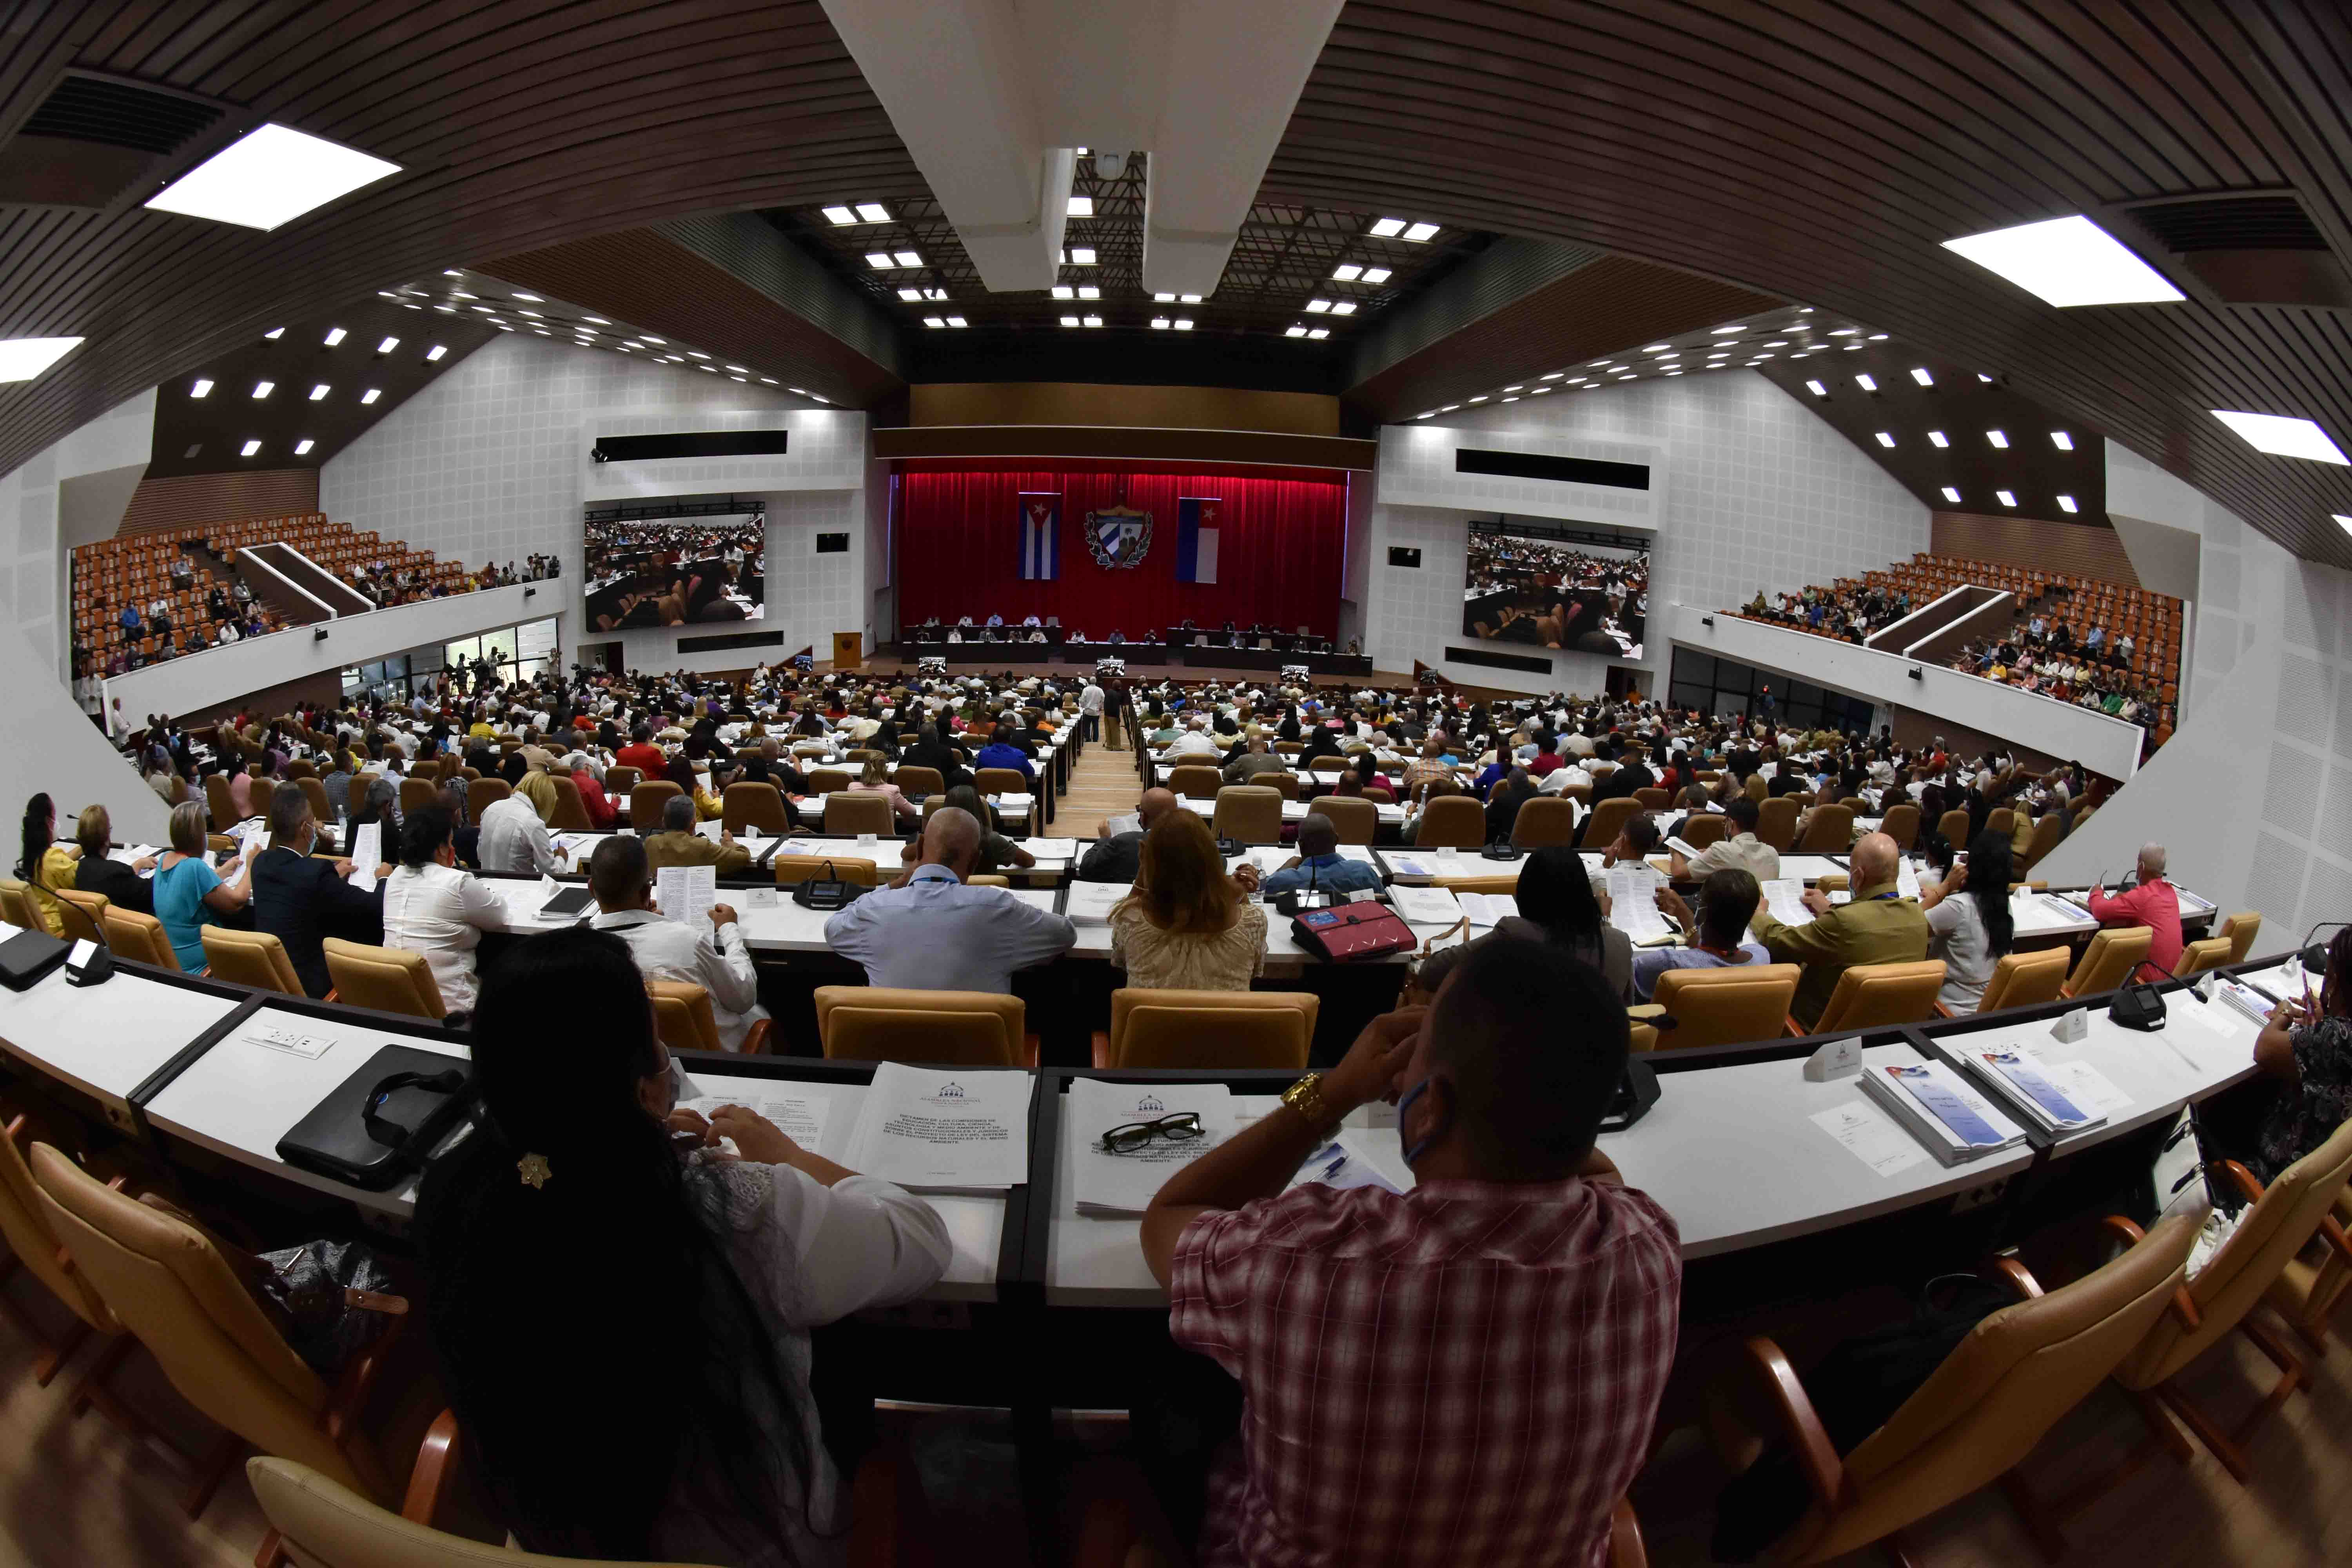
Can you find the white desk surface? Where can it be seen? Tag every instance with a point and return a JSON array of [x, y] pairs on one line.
[[106, 1039], [1095, 1260], [239, 1099], [2030, 916], [783, 926], [1292, 810], [2161, 1071], [2272, 981], [975, 1224], [1732, 1153]]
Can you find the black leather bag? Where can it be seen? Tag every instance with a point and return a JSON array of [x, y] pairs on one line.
[[28, 955], [380, 1124]]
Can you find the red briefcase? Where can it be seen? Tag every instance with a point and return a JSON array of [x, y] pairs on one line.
[[1351, 933]]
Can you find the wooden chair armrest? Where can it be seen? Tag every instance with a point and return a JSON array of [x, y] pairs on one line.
[[358, 1379], [1625, 1547], [1790, 1029], [755, 1042], [2182, 1305], [2013, 1275], [436, 1464], [2332, 1232], [1031, 1046], [1943, 1010], [2243, 1180], [1101, 1057], [14, 1131], [1816, 1455]]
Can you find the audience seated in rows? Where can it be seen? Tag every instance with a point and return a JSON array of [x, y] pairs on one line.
[[1187, 925], [717, 959]]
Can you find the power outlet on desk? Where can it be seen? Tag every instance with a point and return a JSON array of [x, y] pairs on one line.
[[1978, 1197]]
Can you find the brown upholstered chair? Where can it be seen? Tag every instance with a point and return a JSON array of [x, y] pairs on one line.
[[1248, 814], [914, 781], [1357, 819], [1776, 823], [2021, 980], [217, 802], [646, 803], [754, 804], [571, 812], [619, 782], [388, 979], [1831, 832], [683, 1018], [1653, 798], [2001, 820], [792, 869], [1872, 996], [35, 1249], [1451, 821], [1193, 781], [1703, 830], [1901, 824], [140, 938], [1720, 1006], [83, 915], [252, 958], [1607, 820], [16, 905], [1546, 819], [957, 1028], [2112, 956], [356, 794], [2044, 839], [1210, 1030], [2223, 1295], [1954, 826], [847, 814], [170, 1284], [2241, 928], [2313, 1283], [415, 795], [483, 794], [1974, 1420], [315, 792], [2197, 957], [825, 781]]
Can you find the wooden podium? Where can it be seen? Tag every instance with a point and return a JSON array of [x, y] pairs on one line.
[[848, 650]]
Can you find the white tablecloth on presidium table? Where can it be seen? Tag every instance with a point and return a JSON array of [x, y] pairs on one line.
[[240, 1098]]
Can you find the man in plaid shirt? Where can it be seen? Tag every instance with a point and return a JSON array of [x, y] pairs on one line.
[[1464, 1373]]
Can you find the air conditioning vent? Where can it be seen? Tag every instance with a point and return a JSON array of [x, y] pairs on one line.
[[2250, 248], [93, 139], [120, 114]]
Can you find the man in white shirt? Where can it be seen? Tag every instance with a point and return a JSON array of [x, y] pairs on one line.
[[513, 839], [717, 960], [1194, 742], [1738, 849], [1090, 704]]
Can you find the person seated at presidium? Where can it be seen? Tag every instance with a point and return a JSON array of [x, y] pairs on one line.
[[2151, 902], [1501, 1086], [432, 906], [712, 1451], [189, 894], [119, 884], [932, 932], [1186, 925], [717, 958], [1319, 866], [1876, 926], [303, 899]]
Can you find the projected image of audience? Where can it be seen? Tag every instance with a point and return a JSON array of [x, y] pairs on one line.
[[674, 571], [1555, 590]]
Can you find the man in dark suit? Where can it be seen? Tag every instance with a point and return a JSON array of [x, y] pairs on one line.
[[930, 751], [302, 899], [1118, 855], [1631, 774]]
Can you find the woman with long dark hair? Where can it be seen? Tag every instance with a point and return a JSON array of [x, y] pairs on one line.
[[620, 1313], [1558, 905], [45, 865], [1969, 921]]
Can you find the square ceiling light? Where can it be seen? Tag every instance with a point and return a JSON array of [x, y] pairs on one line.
[[2066, 261], [1082, 206], [873, 212], [2283, 436], [22, 359], [268, 177]]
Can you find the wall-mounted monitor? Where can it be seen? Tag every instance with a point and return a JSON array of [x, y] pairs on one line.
[[675, 571], [1557, 586]]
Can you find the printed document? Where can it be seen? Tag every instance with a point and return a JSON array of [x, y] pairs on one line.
[[1104, 1182], [686, 893], [964, 1131]]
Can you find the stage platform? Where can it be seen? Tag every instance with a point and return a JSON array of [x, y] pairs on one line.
[[894, 659], [979, 655]]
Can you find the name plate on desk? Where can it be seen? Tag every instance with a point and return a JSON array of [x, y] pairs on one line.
[[1839, 1058]]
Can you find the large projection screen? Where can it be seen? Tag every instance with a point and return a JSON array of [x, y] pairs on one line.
[[1557, 586]]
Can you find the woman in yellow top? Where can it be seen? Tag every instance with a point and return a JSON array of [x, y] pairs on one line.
[[48, 865], [1187, 926]]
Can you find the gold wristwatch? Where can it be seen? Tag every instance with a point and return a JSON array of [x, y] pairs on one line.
[[1305, 1097]]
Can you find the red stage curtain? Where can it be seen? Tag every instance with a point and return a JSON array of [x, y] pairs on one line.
[[1280, 548]]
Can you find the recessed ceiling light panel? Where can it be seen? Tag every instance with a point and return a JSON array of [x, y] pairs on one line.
[[2282, 437], [2067, 262], [268, 177]]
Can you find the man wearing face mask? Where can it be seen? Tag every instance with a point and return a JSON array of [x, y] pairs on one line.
[[1359, 1321]]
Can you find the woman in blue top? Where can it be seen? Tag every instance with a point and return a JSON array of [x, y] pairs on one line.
[[189, 894]]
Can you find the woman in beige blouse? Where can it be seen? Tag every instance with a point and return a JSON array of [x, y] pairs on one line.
[[1187, 926]]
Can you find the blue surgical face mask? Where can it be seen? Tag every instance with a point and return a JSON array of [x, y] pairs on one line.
[[1412, 1151]]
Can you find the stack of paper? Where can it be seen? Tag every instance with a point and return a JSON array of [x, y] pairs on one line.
[[1121, 1185], [1052, 848], [2024, 1082], [1089, 903], [797, 1114], [1428, 905], [1487, 908], [1633, 905], [1906, 878], [367, 853], [1785, 897], [1411, 868], [1340, 1163], [2244, 998], [1936, 1105], [964, 1131], [686, 893]]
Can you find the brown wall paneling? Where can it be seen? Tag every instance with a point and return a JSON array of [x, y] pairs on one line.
[[325, 689], [1165, 407], [160, 505], [2083, 550], [1122, 445]]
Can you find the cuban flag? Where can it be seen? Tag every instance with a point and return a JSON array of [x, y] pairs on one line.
[[1041, 535], [1196, 538]]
